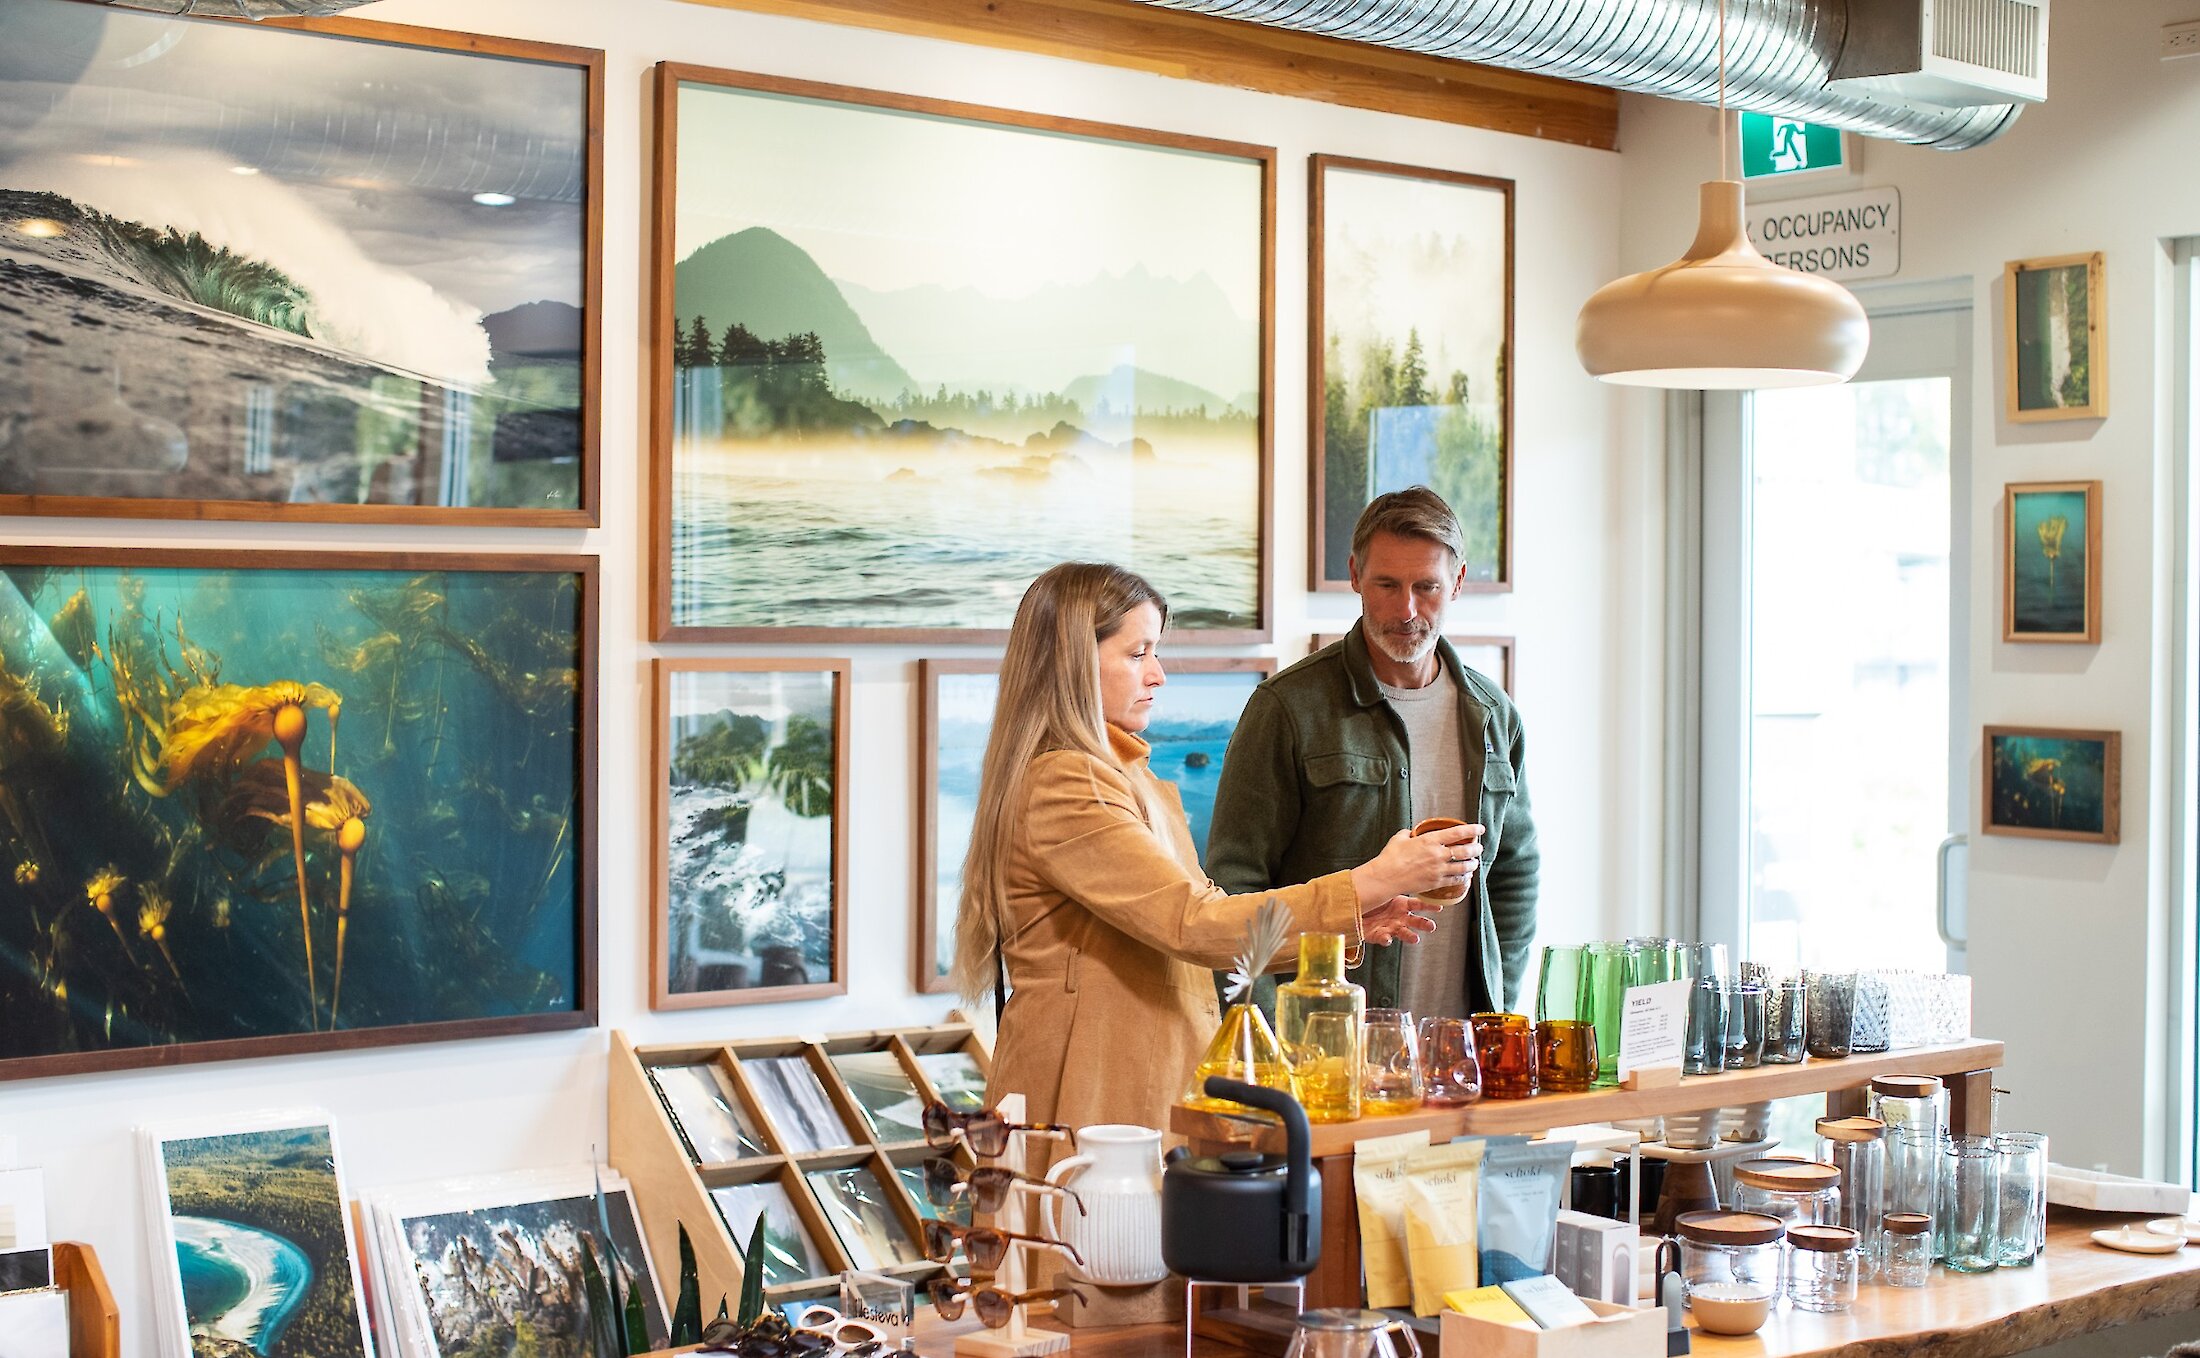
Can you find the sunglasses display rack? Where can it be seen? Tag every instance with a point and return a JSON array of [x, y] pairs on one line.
[[824, 1135], [1022, 1223]]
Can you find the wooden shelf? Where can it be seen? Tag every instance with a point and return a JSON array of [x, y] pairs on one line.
[[1496, 1117], [95, 1324]]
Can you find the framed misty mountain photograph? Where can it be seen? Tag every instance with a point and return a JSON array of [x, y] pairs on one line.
[[1409, 325], [909, 354], [260, 803], [361, 285]]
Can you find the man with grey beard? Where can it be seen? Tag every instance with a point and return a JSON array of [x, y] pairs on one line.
[[1381, 730]]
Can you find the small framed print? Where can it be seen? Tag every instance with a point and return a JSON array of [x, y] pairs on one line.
[[2045, 783], [2054, 324], [2051, 561], [751, 791]]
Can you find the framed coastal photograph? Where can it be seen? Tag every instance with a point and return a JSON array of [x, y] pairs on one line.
[[2055, 322], [752, 839], [1410, 320], [2051, 561], [1492, 656], [252, 1238], [1190, 730], [2045, 783], [362, 285], [221, 762], [1022, 362]]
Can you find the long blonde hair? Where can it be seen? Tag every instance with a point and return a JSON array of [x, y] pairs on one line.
[[1049, 699]]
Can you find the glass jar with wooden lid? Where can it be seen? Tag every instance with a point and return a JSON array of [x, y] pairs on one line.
[[1908, 1100], [1730, 1266], [1858, 1148], [1821, 1267], [1906, 1249], [1795, 1191]]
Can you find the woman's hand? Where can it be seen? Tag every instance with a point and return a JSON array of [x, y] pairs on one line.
[[1439, 862], [1401, 919]]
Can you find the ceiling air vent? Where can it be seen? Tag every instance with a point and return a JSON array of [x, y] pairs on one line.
[[1953, 53]]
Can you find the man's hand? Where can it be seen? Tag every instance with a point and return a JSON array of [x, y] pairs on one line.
[[1401, 919]]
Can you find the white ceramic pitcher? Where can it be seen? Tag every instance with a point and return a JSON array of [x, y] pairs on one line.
[[1117, 1174]]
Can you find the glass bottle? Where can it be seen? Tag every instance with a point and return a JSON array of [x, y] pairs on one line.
[[1325, 1055], [1244, 1049]]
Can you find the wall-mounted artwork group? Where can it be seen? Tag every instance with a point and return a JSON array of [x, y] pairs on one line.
[[359, 283]]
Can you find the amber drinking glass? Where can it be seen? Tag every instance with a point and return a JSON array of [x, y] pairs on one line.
[[1566, 1055], [1390, 1064], [1452, 1069], [1506, 1044]]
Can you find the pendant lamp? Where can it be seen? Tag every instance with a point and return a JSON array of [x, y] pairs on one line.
[[1722, 317]]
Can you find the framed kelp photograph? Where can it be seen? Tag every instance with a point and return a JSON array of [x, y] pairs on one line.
[[750, 798], [1190, 731], [363, 284], [1409, 360], [2045, 783], [1492, 656], [2055, 323], [260, 802], [1021, 362], [2051, 561]]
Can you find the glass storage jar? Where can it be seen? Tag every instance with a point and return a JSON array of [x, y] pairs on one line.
[[1906, 1244], [1730, 1266], [1858, 1148], [1909, 1101], [1794, 1191], [1822, 1267]]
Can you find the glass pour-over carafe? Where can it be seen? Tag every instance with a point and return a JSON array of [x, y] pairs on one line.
[[1350, 1334]]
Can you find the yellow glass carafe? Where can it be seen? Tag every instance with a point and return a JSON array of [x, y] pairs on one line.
[[1244, 1049], [1318, 1018]]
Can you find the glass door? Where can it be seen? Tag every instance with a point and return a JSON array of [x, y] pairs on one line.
[[1836, 780]]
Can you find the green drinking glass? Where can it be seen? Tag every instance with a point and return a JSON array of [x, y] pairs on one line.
[[1558, 992], [1604, 987]]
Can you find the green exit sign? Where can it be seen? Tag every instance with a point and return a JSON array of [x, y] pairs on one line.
[[1774, 146]]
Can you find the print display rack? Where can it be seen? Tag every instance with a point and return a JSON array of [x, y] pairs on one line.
[[784, 1102]]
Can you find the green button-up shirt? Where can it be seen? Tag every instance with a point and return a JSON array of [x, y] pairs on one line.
[[1316, 779]]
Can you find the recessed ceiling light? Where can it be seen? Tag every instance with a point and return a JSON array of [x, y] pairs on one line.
[[244, 169], [44, 228], [495, 199]]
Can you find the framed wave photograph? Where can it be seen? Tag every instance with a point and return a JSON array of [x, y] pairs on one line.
[[750, 792], [362, 285], [1023, 362], [2055, 323], [2051, 561], [259, 803], [1189, 733], [1410, 377]]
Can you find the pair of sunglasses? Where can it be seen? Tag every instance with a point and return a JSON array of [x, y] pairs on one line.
[[842, 1334], [986, 1132], [769, 1337], [985, 1246], [993, 1306], [989, 1187]]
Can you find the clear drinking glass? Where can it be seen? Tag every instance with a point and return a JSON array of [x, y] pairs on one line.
[[1871, 1028], [1785, 1011], [1831, 1013], [1971, 1193], [1706, 1054], [1604, 986], [1390, 1064], [1453, 1072], [1745, 1026], [2023, 1222], [1326, 1062]]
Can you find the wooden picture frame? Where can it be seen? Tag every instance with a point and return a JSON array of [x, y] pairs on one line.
[[470, 681], [2039, 602], [367, 326], [2055, 364], [1506, 647], [2035, 773], [1224, 596], [1333, 509], [763, 777], [932, 913]]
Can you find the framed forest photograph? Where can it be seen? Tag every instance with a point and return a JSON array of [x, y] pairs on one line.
[[362, 285], [257, 803], [901, 340], [2055, 319], [2051, 561], [1190, 731], [1410, 320], [751, 793]]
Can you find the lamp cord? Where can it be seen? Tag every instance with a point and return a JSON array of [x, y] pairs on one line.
[[1722, 89]]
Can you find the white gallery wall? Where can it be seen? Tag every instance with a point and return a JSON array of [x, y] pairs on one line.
[[2069, 943], [1588, 518]]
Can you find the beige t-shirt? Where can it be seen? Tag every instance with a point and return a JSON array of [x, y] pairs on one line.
[[1434, 981]]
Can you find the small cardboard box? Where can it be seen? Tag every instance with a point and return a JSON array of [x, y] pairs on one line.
[[1617, 1332]]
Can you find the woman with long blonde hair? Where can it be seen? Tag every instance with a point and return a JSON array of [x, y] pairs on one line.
[[1082, 893]]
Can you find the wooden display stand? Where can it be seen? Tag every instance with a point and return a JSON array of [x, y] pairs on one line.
[[671, 1189], [1016, 1339], [1967, 1068], [95, 1325]]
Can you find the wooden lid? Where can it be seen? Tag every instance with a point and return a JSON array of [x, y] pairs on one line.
[[1851, 1129], [1907, 1223], [1729, 1228], [1787, 1176], [1825, 1239], [1906, 1086]]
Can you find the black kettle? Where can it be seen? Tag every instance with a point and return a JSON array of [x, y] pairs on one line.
[[1242, 1216]]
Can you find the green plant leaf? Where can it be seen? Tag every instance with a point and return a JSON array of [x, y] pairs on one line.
[[752, 1278], [687, 1314], [603, 1339]]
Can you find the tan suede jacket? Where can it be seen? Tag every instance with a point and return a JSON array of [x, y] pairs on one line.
[[1112, 937]]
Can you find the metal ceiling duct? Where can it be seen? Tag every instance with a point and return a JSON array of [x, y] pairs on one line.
[[1779, 52], [240, 9]]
